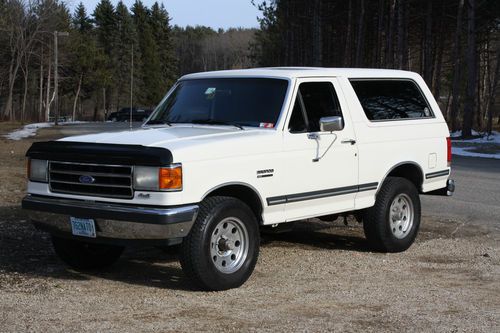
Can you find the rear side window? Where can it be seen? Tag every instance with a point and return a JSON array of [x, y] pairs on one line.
[[391, 99]]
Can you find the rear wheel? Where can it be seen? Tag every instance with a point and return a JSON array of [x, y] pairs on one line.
[[83, 255], [392, 224], [222, 247]]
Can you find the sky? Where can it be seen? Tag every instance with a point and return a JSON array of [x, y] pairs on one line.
[[213, 13]]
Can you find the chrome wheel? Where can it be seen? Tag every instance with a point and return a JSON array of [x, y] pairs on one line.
[[229, 245], [401, 216]]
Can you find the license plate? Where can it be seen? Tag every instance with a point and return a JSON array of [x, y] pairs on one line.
[[83, 227]]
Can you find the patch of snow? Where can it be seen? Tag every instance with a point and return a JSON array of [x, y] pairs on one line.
[[27, 131], [457, 134], [462, 151], [493, 138], [30, 129]]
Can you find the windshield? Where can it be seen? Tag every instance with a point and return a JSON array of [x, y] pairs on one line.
[[240, 102]]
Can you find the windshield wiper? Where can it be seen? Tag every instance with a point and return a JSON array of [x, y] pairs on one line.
[[158, 122], [216, 122]]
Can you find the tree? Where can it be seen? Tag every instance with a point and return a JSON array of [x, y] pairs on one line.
[[471, 69]]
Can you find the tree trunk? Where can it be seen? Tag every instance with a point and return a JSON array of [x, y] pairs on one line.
[[380, 24], [492, 93], [455, 90], [13, 70], [25, 93], [428, 47], [40, 92], [47, 93], [77, 95], [400, 36], [389, 52], [317, 49], [360, 37], [471, 70], [347, 50]]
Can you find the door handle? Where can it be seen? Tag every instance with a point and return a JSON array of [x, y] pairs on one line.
[[351, 141]]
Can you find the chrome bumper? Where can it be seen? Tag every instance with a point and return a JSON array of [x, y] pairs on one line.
[[113, 221]]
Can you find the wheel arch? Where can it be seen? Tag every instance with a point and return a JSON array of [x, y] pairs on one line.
[[242, 191], [409, 170]]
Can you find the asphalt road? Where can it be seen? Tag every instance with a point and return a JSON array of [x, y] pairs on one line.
[[476, 199], [477, 196]]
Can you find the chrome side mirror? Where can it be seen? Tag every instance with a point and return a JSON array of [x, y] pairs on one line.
[[331, 124]]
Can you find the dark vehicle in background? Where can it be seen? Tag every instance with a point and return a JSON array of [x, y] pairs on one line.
[[124, 115]]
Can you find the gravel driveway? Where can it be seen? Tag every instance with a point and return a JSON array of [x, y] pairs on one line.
[[318, 277]]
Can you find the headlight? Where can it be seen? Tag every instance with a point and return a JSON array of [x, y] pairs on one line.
[[37, 170], [158, 179]]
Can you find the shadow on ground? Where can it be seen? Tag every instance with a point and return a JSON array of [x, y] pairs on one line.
[[27, 252]]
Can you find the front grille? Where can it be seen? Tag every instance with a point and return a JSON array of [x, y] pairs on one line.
[[98, 180]]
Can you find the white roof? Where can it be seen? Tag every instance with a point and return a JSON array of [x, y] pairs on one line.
[[299, 72]]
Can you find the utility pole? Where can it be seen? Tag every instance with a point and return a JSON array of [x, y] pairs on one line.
[[131, 85], [56, 73]]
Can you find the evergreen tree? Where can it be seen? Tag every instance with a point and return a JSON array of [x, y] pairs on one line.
[[81, 22], [105, 27], [162, 32], [126, 41], [84, 57], [151, 69]]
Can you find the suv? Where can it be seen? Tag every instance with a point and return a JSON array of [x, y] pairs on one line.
[[227, 153]]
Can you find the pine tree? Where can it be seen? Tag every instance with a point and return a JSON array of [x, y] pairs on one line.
[[105, 27], [151, 69], [162, 32], [126, 41]]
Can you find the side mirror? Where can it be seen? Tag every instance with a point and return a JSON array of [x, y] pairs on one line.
[[331, 124]]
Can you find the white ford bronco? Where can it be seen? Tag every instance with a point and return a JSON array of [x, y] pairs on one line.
[[228, 153]]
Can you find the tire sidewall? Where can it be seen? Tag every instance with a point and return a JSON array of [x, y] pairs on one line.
[[213, 277], [402, 186]]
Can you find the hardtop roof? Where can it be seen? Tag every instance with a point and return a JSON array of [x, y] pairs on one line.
[[304, 72]]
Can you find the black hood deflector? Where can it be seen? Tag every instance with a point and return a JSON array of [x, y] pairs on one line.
[[100, 153]]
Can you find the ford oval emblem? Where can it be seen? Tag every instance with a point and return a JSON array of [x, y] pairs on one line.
[[86, 179]]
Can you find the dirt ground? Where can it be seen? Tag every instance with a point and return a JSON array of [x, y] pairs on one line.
[[319, 277]]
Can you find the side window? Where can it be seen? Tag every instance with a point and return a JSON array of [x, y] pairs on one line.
[[314, 101], [391, 99]]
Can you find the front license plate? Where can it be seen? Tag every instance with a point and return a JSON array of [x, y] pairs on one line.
[[83, 227]]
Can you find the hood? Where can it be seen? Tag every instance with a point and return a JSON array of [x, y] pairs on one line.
[[190, 142]]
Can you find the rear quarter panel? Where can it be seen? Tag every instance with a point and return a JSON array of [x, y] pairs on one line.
[[383, 145]]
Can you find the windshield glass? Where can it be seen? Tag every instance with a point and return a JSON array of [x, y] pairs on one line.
[[253, 102]]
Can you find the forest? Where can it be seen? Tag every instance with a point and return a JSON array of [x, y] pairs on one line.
[[111, 58], [114, 56], [453, 44]]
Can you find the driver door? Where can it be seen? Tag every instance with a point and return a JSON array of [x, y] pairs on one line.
[[321, 167]]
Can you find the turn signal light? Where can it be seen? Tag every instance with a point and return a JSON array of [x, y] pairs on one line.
[[170, 178]]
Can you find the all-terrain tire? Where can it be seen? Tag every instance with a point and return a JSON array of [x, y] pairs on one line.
[[86, 256], [200, 250], [384, 224]]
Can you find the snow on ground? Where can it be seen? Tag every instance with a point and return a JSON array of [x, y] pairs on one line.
[[467, 147], [30, 130], [463, 151], [493, 138], [27, 131]]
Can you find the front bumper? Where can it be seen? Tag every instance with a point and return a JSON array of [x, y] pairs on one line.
[[113, 221]]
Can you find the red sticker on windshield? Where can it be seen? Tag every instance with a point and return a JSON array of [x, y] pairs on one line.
[[267, 125]]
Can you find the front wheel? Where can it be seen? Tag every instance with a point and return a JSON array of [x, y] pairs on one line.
[[391, 225], [82, 255], [222, 247]]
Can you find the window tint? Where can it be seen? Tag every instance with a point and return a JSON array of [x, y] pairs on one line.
[[391, 99], [318, 100], [244, 101]]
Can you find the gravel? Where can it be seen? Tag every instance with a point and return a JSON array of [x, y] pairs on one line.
[[320, 276]]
